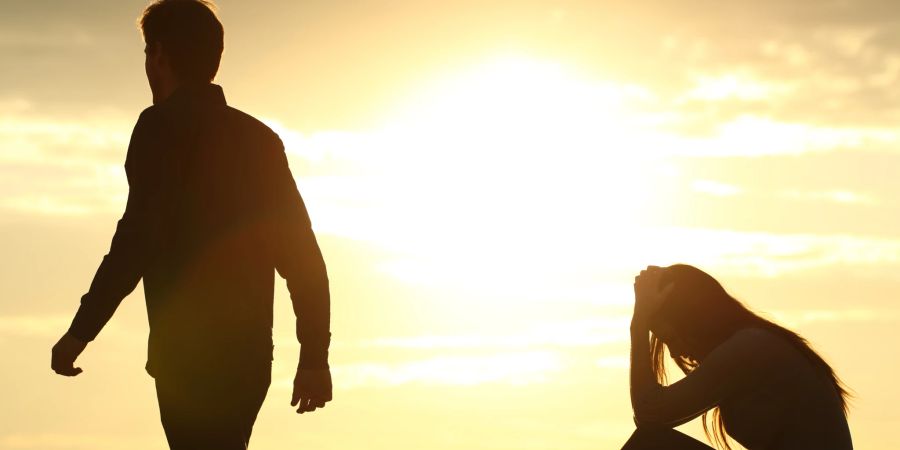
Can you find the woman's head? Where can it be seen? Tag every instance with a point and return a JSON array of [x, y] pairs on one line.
[[697, 316]]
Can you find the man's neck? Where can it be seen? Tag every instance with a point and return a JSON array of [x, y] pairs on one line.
[[163, 91]]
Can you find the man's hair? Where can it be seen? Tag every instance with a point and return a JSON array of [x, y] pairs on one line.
[[189, 33]]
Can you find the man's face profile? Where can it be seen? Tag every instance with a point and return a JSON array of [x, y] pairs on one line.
[[159, 73]]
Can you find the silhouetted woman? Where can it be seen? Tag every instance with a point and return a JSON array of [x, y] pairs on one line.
[[764, 384]]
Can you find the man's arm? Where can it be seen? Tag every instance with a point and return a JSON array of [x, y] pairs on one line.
[[299, 261], [123, 266]]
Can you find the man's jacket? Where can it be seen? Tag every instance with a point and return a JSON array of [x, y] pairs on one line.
[[213, 211]]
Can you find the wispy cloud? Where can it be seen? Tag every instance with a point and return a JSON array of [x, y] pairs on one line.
[[26, 137], [49, 326], [837, 196], [63, 440], [840, 316], [615, 258], [715, 188], [33, 326], [759, 135], [613, 362], [739, 86], [585, 333], [55, 166], [510, 368]]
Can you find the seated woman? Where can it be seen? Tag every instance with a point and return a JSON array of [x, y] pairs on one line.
[[766, 387]]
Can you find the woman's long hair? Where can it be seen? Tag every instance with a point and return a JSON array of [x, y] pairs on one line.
[[700, 309]]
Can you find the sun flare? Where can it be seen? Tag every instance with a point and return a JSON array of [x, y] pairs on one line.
[[525, 137]]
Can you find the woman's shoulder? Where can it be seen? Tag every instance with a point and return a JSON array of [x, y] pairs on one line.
[[757, 342], [751, 336], [752, 343], [758, 335], [755, 331]]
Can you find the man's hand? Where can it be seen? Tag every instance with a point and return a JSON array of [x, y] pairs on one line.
[[64, 354], [312, 389]]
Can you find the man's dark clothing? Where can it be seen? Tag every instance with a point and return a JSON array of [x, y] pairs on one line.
[[215, 413], [212, 210]]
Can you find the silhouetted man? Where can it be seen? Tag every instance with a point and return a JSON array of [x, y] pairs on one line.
[[212, 209]]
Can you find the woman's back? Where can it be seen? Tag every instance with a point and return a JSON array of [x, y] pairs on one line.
[[781, 400]]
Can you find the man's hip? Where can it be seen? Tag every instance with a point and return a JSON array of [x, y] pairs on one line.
[[211, 410]]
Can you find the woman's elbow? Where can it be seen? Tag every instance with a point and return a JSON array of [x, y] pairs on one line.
[[645, 416]]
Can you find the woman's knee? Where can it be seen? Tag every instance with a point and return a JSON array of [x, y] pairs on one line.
[[660, 438]]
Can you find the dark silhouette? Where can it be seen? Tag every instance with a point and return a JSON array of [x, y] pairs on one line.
[[765, 385], [662, 438], [213, 211]]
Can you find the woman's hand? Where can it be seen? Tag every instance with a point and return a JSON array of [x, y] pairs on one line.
[[648, 297]]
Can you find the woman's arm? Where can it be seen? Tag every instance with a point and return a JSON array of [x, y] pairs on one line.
[[647, 300], [655, 404], [643, 380], [739, 363]]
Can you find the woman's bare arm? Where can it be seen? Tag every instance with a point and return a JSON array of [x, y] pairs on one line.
[[741, 363]]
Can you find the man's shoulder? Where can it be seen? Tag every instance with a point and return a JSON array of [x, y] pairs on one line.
[[160, 117], [149, 113], [246, 122], [148, 125]]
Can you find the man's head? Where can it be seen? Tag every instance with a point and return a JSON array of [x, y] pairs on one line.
[[184, 42]]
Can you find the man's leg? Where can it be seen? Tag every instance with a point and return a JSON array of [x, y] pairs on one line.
[[211, 412], [662, 439]]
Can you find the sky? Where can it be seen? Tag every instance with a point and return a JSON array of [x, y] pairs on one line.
[[485, 179]]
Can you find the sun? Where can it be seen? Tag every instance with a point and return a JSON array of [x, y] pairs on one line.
[[519, 160]]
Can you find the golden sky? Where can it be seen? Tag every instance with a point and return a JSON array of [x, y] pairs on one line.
[[485, 178]]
